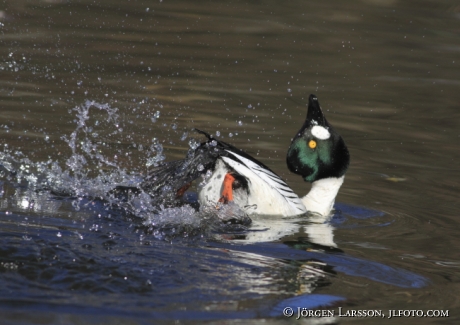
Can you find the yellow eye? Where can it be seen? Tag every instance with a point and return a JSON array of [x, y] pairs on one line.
[[312, 144]]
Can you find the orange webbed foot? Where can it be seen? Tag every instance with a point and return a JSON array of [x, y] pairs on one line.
[[227, 191]]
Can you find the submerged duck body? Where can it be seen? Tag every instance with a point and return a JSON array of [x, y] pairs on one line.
[[317, 153]]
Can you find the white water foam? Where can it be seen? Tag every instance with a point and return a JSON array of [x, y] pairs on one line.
[[88, 173]]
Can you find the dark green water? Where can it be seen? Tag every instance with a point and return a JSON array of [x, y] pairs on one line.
[[387, 76]]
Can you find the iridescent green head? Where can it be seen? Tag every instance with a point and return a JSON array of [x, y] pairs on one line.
[[317, 151]]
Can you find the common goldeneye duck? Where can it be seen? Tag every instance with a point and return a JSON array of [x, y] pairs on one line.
[[317, 153]]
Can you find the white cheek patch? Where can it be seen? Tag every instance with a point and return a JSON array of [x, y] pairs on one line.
[[320, 132]]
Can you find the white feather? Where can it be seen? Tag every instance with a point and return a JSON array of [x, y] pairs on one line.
[[322, 195], [269, 193]]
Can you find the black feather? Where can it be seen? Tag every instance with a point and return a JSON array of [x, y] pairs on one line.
[[164, 181]]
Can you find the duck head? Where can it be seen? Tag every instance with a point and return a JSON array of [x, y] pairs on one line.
[[317, 151]]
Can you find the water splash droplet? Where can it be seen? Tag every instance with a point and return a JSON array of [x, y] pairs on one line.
[[193, 144]]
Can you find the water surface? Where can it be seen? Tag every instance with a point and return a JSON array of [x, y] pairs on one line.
[[386, 74]]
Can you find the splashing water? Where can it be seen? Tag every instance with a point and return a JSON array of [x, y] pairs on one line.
[[88, 174], [85, 160], [185, 220]]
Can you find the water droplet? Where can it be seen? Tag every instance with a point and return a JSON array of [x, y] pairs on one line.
[[59, 234], [94, 227], [193, 144], [155, 116], [230, 134], [240, 123]]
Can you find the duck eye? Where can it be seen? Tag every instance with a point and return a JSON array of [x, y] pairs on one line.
[[312, 144]]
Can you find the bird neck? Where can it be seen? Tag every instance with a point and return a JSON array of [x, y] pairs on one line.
[[322, 195]]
